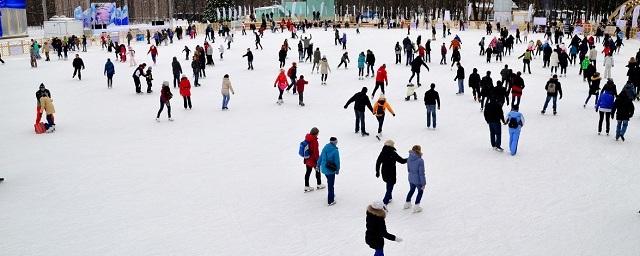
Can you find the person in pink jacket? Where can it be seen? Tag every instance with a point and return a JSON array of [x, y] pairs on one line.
[[282, 83]]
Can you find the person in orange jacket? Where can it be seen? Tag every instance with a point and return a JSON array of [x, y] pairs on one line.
[[381, 80], [282, 83], [185, 91], [379, 109]]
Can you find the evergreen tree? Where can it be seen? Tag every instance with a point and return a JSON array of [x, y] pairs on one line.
[[210, 12]]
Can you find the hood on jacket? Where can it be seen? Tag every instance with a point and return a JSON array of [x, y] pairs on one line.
[[376, 212], [413, 156], [364, 90]]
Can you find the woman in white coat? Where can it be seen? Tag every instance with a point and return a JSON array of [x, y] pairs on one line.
[[226, 88]]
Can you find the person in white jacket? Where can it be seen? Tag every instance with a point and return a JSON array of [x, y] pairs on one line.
[[221, 50], [226, 88], [132, 57], [608, 64], [554, 61], [593, 55]]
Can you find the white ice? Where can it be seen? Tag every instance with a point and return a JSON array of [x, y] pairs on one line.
[[113, 181]]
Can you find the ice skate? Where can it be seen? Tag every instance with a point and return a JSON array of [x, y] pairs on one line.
[[170, 119], [417, 208], [157, 119], [407, 205], [319, 187], [332, 203], [308, 189]]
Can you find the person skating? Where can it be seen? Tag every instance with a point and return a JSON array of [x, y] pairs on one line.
[[329, 164], [300, 87], [249, 56], [165, 97], [149, 77], [515, 121], [154, 53], [416, 64], [46, 106], [604, 107], [515, 88], [361, 60], [316, 60], [78, 65], [553, 88], [370, 61], [474, 83], [381, 80], [185, 91], [292, 73], [493, 115], [431, 98], [109, 71], [177, 71], [377, 229], [258, 41], [499, 94], [186, 52], [324, 70], [311, 156], [282, 56], [460, 78], [226, 88], [344, 60], [221, 51], [594, 89], [398, 51], [379, 109], [195, 67], [386, 164], [136, 76], [443, 53], [417, 179], [42, 91], [360, 101], [624, 111], [486, 86], [282, 83]]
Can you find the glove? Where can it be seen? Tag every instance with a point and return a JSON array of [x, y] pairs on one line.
[[394, 115], [398, 239], [377, 174], [345, 107]]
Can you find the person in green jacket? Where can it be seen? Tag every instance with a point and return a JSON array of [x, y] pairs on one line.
[[583, 66], [526, 60]]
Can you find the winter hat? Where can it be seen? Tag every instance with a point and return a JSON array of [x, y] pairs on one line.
[[184, 76], [389, 143], [333, 139], [41, 86], [165, 83], [149, 68], [378, 205]]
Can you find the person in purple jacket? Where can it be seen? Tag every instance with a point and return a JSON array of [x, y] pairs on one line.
[[417, 179]]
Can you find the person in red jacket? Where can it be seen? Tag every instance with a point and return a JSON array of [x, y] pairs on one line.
[[154, 53], [185, 91], [300, 87], [381, 80], [165, 97], [311, 162], [281, 82]]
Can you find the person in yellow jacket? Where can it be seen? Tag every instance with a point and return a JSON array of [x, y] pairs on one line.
[[46, 105], [379, 109]]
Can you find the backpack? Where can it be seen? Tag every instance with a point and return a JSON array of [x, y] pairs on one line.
[[303, 151], [290, 71], [551, 87], [513, 123]]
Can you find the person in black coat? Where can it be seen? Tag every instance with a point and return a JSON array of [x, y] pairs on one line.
[[486, 85], [499, 94], [282, 56], [77, 65], [361, 101], [177, 71], [249, 56], [431, 97], [460, 78], [387, 160], [377, 229], [370, 60], [623, 109], [493, 115], [474, 83], [416, 64], [553, 88]]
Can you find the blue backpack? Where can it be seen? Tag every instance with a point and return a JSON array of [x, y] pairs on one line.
[[303, 151]]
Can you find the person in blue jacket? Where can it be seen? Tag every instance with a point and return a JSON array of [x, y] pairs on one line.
[[417, 180], [329, 163], [604, 107], [515, 120], [109, 71], [361, 59]]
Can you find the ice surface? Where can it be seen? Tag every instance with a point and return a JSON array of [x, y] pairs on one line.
[[112, 181]]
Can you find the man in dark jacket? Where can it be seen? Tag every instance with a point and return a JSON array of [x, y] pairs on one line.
[[387, 160], [505, 74], [474, 83], [136, 77], [493, 115], [249, 56], [177, 71], [361, 101], [623, 108], [486, 85], [77, 65], [377, 229], [416, 64], [499, 94], [553, 88], [460, 78], [431, 97], [42, 91], [370, 60]]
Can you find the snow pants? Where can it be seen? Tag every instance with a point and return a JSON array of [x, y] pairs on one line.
[[514, 135]]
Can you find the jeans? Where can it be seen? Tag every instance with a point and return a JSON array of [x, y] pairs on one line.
[[225, 100], [621, 129], [546, 102], [495, 132], [431, 113], [380, 122], [589, 97], [196, 75], [136, 81], [176, 80], [162, 104], [412, 188], [380, 85], [514, 135], [331, 181], [378, 252], [388, 194], [360, 121], [460, 85], [308, 174], [293, 84]]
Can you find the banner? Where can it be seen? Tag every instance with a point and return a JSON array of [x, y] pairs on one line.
[[15, 4]]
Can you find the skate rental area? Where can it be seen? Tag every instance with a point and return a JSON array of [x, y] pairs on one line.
[[176, 136]]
